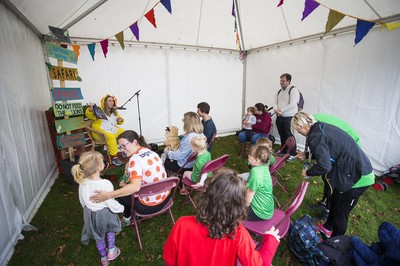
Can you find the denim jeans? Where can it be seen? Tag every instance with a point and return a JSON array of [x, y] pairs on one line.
[[255, 136]]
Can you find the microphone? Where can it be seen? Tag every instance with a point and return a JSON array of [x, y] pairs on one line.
[[121, 108]]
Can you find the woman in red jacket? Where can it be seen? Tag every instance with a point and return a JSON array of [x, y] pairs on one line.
[[216, 236]]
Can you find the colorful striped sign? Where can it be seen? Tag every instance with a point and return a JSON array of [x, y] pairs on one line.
[[60, 53], [66, 94]]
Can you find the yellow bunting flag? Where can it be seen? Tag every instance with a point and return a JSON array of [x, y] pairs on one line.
[[334, 18], [120, 38], [76, 49], [391, 25]]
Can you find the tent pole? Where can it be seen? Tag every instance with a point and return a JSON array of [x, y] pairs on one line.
[[84, 14]]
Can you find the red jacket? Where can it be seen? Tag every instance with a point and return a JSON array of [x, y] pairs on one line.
[[263, 124]]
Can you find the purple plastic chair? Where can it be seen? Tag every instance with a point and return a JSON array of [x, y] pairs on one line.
[[211, 166], [280, 219], [274, 170], [167, 184]]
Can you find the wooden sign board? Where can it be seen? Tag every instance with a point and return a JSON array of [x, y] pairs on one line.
[[69, 124], [63, 73], [65, 141], [66, 94], [67, 109], [59, 35], [60, 53]]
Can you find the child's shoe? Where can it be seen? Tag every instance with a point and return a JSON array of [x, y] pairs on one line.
[[183, 192], [113, 255], [323, 230], [104, 261], [125, 221]]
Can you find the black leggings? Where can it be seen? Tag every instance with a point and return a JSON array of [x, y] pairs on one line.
[[139, 207]]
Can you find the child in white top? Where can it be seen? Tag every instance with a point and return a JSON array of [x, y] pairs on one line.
[[100, 218], [249, 119]]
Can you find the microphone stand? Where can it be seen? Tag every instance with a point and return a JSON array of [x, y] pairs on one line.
[[122, 108]]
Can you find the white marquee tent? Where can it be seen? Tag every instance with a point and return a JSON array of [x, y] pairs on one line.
[[191, 56]]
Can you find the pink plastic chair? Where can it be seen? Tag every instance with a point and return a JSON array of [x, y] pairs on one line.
[[167, 184], [289, 144], [279, 164], [209, 167], [280, 219], [191, 158], [212, 140]]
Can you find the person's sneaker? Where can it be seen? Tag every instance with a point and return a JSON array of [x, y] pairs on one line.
[[104, 261], [117, 162], [291, 158], [125, 222], [183, 192], [325, 215], [113, 255], [323, 230]]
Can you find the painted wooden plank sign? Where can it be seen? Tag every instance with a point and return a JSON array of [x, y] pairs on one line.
[[69, 124], [60, 53], [66, 94], [59, 35], [65, 141], [67, 109], [63, 73]]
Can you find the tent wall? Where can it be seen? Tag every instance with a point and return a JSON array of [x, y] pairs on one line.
[[172, 82], [27, 163], [359, 84]]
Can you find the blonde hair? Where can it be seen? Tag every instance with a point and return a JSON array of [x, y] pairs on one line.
[[89, 163], [266, 142], [191, 123], [251, 109], [301, 119], [199, 144], [260, 152]]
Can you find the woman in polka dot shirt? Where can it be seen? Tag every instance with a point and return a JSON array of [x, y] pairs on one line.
[[144, 166]]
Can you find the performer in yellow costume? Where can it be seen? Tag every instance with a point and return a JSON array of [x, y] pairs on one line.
[[108, 125]]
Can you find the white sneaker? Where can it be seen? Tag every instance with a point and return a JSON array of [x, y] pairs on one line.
[[291, 158]]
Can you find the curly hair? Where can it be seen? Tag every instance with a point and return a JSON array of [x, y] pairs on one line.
[[222, 207]]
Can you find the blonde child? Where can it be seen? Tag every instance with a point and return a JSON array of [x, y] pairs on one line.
[[259, 197], [199, 145], [100, 218]]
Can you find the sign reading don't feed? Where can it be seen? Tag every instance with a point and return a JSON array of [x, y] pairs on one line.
[[67, 109]]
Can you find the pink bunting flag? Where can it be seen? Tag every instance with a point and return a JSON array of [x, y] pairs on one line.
[[76, 49], [104, 47], [362, 29], [309, 7], [135, 30], [150, 17], [280, 3]]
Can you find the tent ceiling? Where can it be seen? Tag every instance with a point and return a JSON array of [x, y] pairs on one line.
[[205, 23]]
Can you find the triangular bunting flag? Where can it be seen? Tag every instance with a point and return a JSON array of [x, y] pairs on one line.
[[334, 18], [280, 3], [91, 49], [233, 8], [120, 39], [135, 30], [49, 66], [76, 49], [362, 29], [309, 7], [150, 17], [391, 25], [104, 47], [167, 5]]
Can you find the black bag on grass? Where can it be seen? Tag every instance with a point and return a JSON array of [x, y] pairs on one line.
[[337, 249]]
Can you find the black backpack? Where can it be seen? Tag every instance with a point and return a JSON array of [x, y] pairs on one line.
[[300, 104], [337, 249]]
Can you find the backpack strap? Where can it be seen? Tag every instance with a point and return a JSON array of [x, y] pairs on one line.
[[290, 90]]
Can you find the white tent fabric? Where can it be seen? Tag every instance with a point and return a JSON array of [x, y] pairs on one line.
[[190, 57]]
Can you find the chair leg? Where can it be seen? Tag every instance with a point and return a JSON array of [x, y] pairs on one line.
[[277, 202], [137, 233], [284, 182], [172, 216]]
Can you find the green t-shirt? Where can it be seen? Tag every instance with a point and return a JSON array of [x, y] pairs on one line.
[[263, 200], [201, 160]]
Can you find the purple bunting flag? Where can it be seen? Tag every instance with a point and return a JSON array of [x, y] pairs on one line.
[[309, 7], [104, 47], [91, 47], [362, 29], [233, 8], [135, 30], [167, 5]]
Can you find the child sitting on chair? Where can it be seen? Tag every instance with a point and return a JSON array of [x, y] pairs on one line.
[[259, 197], [248, 121], [199, 145]]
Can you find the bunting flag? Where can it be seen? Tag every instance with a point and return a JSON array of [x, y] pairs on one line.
[[362, 29], [150, 17], [391, 25], [167, 5], [104, 47], [309, 7], [334, 18], [135, 30], [120, 38], [280, 3], [233, 8], [76, 49], [91, 48]]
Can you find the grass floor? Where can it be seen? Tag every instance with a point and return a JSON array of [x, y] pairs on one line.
[[59, 220]]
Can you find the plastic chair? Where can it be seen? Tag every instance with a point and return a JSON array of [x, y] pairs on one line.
[[274, 170], [191, 158], [209, 167], [280, 219], [212, 140], [289, 144], [167, 184]]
